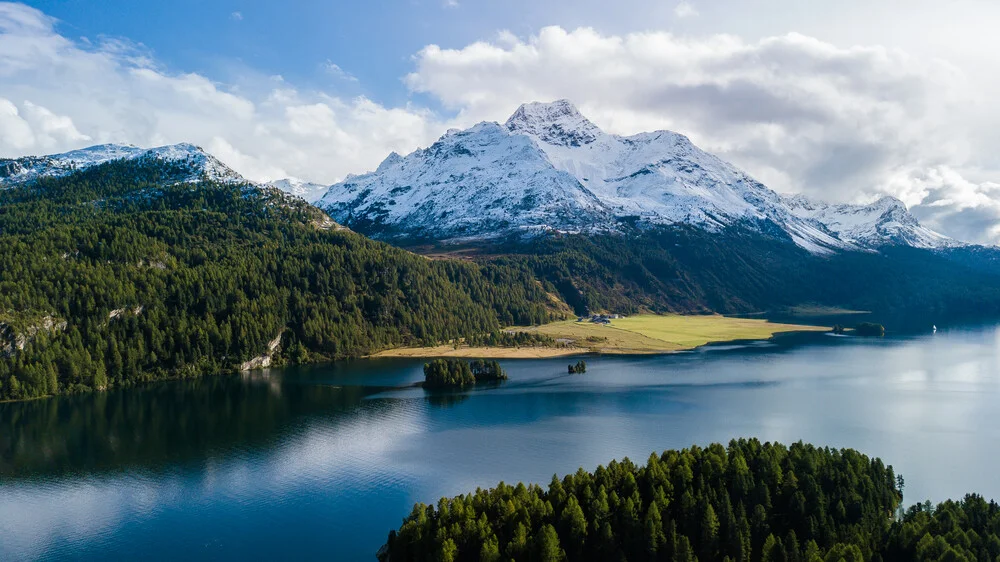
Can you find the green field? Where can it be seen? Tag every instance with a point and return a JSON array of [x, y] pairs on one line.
[[652, 333], [642, 334]]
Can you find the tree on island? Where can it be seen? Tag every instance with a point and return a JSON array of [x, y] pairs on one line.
[[579, 368], [445, 373], [869, 329], [487, 371]]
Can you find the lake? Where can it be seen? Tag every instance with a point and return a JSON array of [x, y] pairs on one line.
[[323, 461]]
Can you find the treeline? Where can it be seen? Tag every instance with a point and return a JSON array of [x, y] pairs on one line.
[[143, 279], [967, 530], [511, 339], [457, 373], [747, 502]]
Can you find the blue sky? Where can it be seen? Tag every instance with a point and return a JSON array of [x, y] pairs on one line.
[[373, 41], [843, 101]]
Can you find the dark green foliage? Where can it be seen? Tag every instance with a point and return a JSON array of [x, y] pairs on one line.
[[579, 368], [749, 502], [487, 371], [869, 329], [966, 530], [156, 280], [446, 373], [511, 339]]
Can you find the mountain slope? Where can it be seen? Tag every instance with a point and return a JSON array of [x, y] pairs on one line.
[[196, 164], [581, 179], [882, 222], [112, 277], [483, 180]]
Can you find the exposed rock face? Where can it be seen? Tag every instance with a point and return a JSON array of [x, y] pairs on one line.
[[13, 340], [263, 361]]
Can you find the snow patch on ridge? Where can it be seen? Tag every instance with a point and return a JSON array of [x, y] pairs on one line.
[[308, 191], [30, 168]]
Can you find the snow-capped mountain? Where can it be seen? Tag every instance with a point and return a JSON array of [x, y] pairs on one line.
[[472, 183], [550, 168], [198, 164], [885, 221], [311, 192]]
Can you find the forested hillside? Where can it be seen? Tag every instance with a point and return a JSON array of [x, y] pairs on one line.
[[684, 269], [747, 502], [114, 275]]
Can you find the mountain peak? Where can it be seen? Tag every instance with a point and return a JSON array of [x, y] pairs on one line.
[[545, 111], [558, 122], [391, 160], [887, 203]]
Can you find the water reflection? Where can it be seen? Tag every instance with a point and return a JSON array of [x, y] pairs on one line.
[[168, 423]]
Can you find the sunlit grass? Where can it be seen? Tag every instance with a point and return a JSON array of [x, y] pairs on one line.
[[642, 334]]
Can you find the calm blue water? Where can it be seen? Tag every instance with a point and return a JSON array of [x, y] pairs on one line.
[[322, 462]]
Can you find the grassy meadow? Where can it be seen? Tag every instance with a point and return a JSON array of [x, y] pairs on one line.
[[641, 334]]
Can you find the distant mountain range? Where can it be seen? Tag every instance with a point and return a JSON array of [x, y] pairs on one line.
[[547, 169]]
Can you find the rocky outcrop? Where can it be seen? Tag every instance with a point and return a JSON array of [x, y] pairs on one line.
[[13, 340], [263, 361]]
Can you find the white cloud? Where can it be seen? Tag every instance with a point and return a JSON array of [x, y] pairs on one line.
[[15, 132], [685, 10], [800, 114], [59, 94], [950, 203], [334, 70], [236, 16]]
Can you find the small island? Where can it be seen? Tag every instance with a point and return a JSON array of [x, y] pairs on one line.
[[455, 373], [869, 329], [579, 368]]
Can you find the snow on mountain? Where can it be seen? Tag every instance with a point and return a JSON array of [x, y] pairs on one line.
[[309, 191], [550, 168], [480, 182], [883, 222], [198, 163]]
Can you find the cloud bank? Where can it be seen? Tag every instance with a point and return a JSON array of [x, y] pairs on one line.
[[802, 115], [57, 94]]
